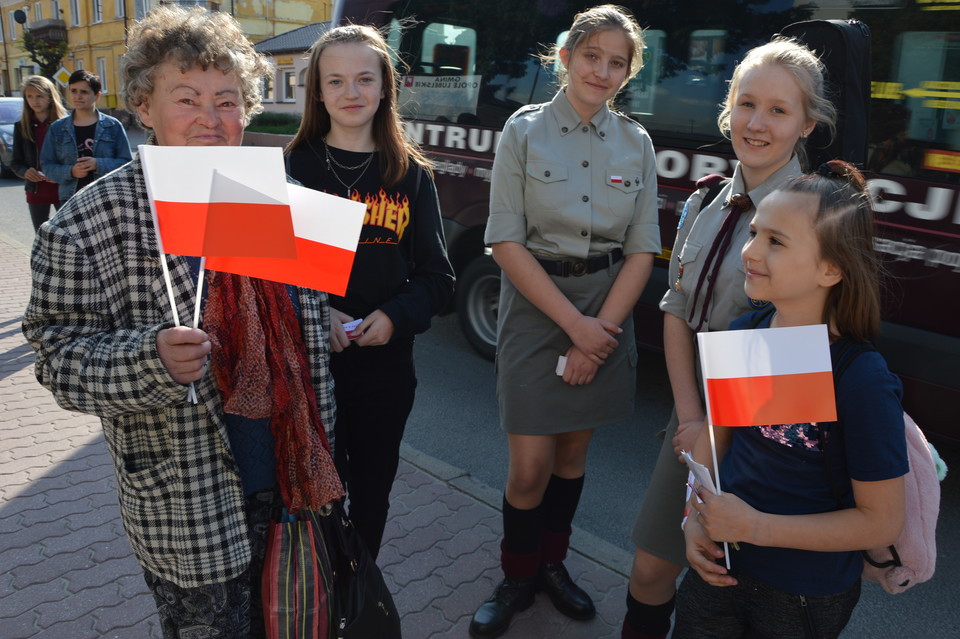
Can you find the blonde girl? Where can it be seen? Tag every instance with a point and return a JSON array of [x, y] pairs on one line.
[[41, 107], [801, 510], [775, 100]]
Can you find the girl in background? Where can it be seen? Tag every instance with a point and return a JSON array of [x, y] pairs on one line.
[[86, 145], [801, 510], [41, 107], [573, 225], [351, 144], [776, 98]]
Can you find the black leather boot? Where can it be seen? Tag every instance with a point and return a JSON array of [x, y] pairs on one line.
[[568, 597], [492, 618]]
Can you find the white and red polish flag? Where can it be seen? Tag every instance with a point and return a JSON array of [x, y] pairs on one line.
[[219, 200], [326, 230], [768, 376]]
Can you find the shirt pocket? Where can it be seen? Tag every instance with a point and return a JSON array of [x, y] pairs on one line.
[[547, 189], [623, 186], [689, 253]]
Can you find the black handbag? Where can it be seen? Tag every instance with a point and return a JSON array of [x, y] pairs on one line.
[[363, 607]]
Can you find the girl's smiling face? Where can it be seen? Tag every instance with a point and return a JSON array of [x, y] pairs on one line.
[[596, 70], [202, 107], [782, 257], [351, 84], [767, 119]]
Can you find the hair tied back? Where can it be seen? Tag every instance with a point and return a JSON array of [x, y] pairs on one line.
[[838, 169]]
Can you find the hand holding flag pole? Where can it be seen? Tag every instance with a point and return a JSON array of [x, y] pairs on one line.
[[233, 207], [766, 376]]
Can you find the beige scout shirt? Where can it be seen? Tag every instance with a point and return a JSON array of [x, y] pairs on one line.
[[695, 235], [570, 190]]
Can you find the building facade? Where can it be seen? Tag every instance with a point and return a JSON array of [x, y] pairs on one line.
[[95, 31]]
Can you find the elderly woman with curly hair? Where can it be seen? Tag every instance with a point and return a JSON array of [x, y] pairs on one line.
[[197, 482]]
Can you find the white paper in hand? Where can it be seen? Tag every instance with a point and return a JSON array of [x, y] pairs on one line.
[[700, 472]]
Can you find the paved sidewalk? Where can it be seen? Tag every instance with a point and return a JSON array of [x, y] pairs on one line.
[[67, 572]]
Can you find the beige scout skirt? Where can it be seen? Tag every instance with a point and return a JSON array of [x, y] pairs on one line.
[[533, 399]]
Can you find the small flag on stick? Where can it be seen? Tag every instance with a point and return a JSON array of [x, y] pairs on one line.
[[768, 376], [326, 230], [220, 200]]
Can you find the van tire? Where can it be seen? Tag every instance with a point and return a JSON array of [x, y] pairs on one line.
[[478, 304]]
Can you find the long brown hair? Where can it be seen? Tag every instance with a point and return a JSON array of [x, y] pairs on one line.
[[395, 148], [55, 112], [844, 229]]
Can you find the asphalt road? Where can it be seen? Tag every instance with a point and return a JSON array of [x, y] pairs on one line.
[[455, 420]]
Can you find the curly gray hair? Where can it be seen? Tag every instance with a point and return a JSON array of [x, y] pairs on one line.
[[189, 38]]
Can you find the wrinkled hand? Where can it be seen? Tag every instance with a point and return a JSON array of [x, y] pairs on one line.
[[184, 352], [687, 433], [376, 329], [338, 336], [702, 553], [580, 370], [594, 337], [84, 167]]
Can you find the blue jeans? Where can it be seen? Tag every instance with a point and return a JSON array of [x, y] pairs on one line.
[[752, 610]]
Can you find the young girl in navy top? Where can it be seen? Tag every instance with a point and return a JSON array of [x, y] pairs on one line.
[[801, 510]]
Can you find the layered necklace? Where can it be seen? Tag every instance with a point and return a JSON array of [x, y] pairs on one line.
[[362, 167]]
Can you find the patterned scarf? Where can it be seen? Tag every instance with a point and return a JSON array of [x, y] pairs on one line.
[[260, 365]]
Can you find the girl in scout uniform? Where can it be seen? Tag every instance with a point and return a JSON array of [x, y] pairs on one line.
[[573, 225], [775, 99]]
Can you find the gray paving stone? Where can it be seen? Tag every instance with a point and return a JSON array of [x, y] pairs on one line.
[[20, 627], [423, 624], [26, 599], [76, 629], [130, 618], [417, 596]]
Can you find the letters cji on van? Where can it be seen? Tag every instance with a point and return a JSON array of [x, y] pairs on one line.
[[768, 376]]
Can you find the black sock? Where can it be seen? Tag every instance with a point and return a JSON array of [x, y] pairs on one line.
[[651, 621], [521, 528], [560, 502]]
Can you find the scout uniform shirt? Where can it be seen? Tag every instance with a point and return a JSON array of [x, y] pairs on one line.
[[696, 232], [571, 190]]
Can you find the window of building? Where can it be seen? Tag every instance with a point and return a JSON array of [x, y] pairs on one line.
[[121, 9], [13, 26], [97, 11], [267, 89], [120, 84], [57, 13], [75, 12], [102, 72], [289, 86], [140, 8], [37, 11]]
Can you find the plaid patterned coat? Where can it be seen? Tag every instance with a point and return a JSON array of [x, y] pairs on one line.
[[97, 303]]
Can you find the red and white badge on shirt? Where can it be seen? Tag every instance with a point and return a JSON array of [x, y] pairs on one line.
[[616, 179]]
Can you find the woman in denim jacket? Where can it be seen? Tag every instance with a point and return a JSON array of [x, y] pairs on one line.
[[73, 160]]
